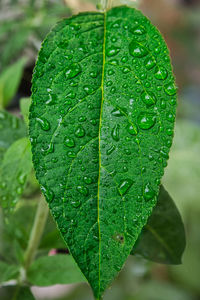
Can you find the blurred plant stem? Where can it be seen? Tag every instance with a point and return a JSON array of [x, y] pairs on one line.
[[36, 232], [106, 4]]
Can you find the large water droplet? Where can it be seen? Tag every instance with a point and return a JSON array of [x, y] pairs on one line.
[[80, 132], [43, 123], [148, 98], [170, 89], [69, 142], [125, 186], [115, 133], [136, 49], [161, 73], [132, 129], [150, 62], [139, 30], [82, 190], [71, 154], [146, 120], [73, 70], [148, 192]]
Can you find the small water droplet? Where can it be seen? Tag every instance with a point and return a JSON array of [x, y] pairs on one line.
[[48, 193], [19, 190], [170, 117], [111, 72], [109, 83], [43, 123], [136, 49], [124, 186], [148, 98], [48, 149], [170, 89], [87, 180], [148, 192], [51, 99], [82, 119], [82, 190], [80, 132], [161, 73], [76, 203], [124, 59], [110, 150], [93, 74], [146, 120], [73, 70], [69, 142], [150, 62], [71, 154], [126, 70], [89, 90], [169, 132], [164, 152], [112, 52], [115, 133], [21, 178], [117, 112]]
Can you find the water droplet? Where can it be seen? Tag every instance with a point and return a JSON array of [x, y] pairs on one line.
[[93, 122], [43, 123], [136, 49], [139, 30], [82, 119], [82, 190], [124, 59], [115, 133], [112, 52], [132, 129], [111, 72], [125, 186], [69, 142], [126, 70], [117, 112], [48, 149], [76, 203], [73, 70], [80, 132], [110, 150], [19, 190], [51, 99], [173, 101], [170, 117], [87, 180], [170, 89], [161, 73], [164, 152], [93, 74], [150, 62], [163, 104], [48, 193], [148, 192], [21, 178], [89, 90], [109, 83], [146, 120], [71, 154], [148, 98], [169, 131], [113, 90]]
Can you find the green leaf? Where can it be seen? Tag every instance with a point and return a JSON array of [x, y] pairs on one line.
[[8, 272], [11, 292], [9, 81], [56, 269], [11, 129], [101, 126], [15, 168], [163, 237], [24, 107]]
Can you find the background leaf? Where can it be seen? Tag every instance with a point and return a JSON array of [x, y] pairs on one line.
[[8, 272], [24, 108], [61, 269], [11, 129], [14, 292], [9, 81], [163, 237], [101, 125], [15, 168]]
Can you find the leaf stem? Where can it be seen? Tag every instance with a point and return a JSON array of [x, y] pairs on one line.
[[36, 233]]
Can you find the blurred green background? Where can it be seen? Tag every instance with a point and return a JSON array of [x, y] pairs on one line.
[[23, 26]]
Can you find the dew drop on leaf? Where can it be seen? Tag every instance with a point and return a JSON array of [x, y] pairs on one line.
[[139, 30], [146, 120], [170, 89], [48, 193], [148, 98], [148, 192], [136, 49], [110, 150], [43, 123], [80, 132], [161, 73], [150, 62], [69, 142], [115, 133], [125, 186], [132, 129], [73, 70], [82, 190]]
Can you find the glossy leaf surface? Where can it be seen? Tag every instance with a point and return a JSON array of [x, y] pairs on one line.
[[163, 238], [101, 126], [61, 269], [11, 129], [15, 167]]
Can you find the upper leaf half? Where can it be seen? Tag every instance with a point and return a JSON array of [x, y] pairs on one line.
[[101, 126]]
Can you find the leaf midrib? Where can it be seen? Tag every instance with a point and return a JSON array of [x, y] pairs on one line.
[[100, 121]]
